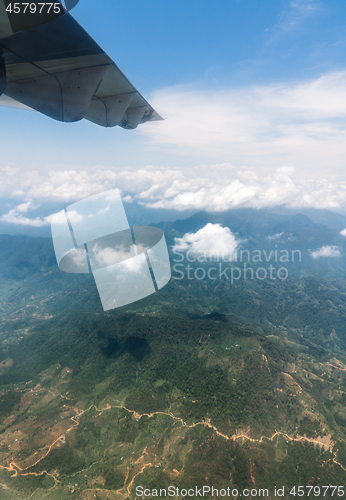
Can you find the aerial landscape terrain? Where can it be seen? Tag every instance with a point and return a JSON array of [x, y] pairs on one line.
[[206, 382], [227, 380]]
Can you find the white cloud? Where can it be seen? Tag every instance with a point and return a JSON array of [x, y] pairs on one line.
[[261, 127], [343, 232], [79, 260], [212, 241], [137, 265], [326, 251], [274, 236], [59, 218], [129, 269], [215, 187], [299, 123], [15, 216], [75, 217], [107, 256]]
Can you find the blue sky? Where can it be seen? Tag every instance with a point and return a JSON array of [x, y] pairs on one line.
[[221, 43], [253, 93]]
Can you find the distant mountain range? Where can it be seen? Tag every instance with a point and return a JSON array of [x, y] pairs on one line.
[[137, 215], [142, 215]]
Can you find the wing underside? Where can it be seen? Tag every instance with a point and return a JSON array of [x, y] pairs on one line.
[[57, 69]]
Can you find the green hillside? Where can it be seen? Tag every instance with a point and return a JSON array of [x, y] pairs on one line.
[[206, 383]]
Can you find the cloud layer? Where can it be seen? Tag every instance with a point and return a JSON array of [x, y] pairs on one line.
[[213, 188], [300, 124]]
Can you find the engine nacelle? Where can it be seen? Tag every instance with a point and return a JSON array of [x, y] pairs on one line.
[[2, 75]]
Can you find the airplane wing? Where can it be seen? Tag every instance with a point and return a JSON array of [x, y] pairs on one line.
[[49, 63]]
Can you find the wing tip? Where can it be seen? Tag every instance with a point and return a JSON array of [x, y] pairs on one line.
[[153, 117]]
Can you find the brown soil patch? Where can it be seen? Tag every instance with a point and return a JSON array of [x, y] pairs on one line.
[[99, 480]]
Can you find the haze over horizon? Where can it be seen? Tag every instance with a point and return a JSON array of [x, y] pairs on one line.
[[253, 98]]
